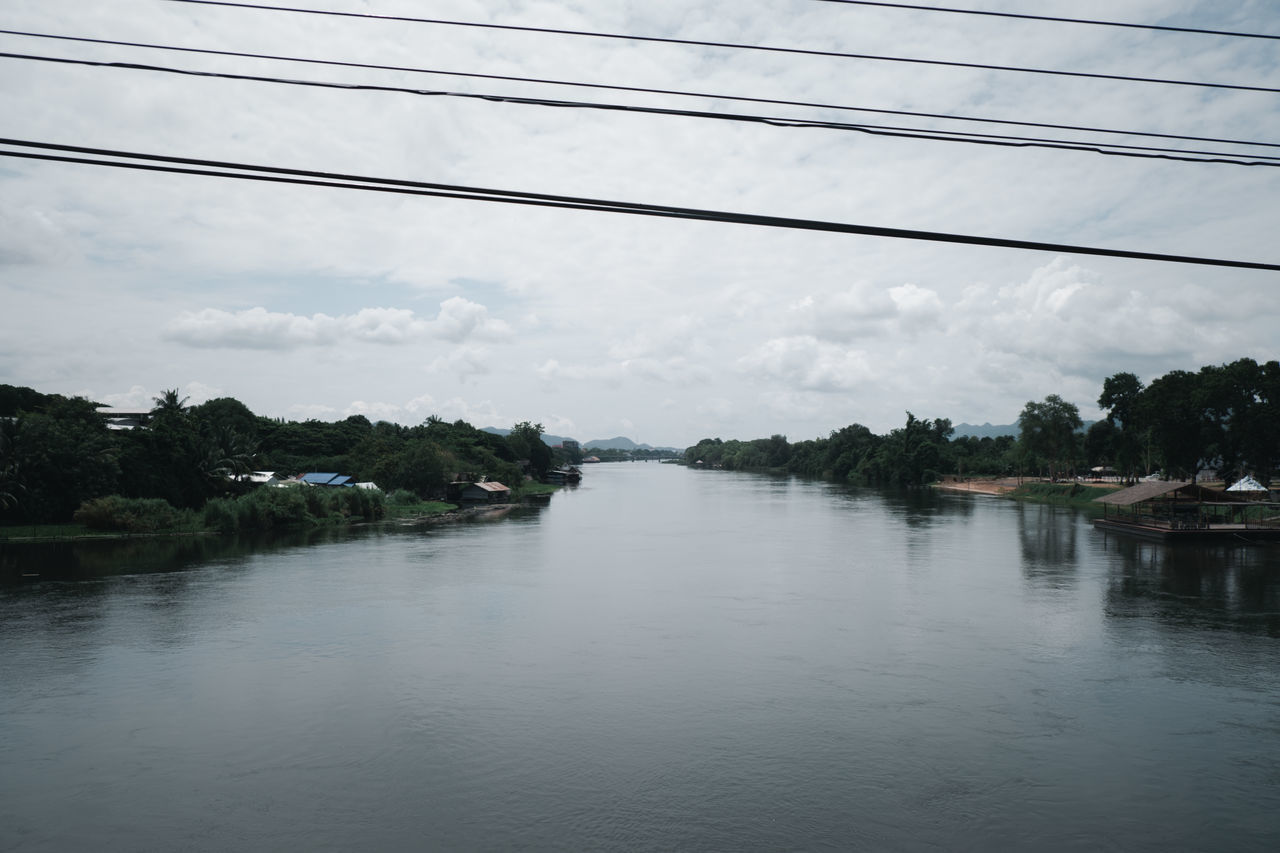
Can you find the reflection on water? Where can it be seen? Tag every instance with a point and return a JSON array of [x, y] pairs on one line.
[[71, 560], [1210, 585], [1048, 536]]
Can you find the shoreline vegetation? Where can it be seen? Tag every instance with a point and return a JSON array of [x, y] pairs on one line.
[[402, 515], [181, 469], [1220, 424], [69, 469]]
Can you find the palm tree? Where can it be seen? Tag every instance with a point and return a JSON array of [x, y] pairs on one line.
[[227, 455], [169, 403]]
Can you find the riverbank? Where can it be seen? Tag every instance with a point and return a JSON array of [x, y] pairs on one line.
[[427, 512], [1034, 491]]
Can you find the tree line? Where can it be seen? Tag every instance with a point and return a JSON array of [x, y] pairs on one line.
[[57, 453], [1224, 416]]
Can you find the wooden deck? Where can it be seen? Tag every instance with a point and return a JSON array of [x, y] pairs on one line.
[[1173, 531]]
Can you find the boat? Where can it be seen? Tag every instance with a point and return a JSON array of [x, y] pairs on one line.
[[567, 475]]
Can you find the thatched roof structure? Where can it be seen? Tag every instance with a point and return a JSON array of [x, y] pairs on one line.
[[1153, 489]]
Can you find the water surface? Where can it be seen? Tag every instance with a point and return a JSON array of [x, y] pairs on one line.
[[663, 659]]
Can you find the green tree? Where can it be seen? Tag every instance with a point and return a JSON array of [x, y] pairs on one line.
[[908, 456], [1172, 408], [525, 441], [1120, 398], [57, 459], [230, 413], [169, 403], [1048, 430]]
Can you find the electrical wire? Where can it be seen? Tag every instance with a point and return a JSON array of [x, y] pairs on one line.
[[271, 174], [1110, 149], [734, 46], [635, 89], [1056, 20]]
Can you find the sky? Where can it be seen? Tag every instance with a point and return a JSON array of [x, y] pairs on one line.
[[307, 302]]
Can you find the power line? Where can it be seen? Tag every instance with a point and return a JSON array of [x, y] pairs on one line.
[[636, 89], [1110, 149], [1056, 20], [733, 46], [272, 174]]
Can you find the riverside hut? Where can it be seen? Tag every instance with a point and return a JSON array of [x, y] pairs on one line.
[[489, 492], [1180, 509]]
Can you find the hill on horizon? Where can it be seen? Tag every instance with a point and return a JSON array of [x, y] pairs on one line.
[[985, 430], [997, 430], [620, 442]]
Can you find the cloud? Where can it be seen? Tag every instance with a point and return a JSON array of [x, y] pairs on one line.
[[1068, 314], [460, 319], [462, 363], [257, 328], [678, 325], [864, 311], [803, 361], [675, 370]]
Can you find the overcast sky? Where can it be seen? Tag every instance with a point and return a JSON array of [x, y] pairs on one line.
[[307, 302]]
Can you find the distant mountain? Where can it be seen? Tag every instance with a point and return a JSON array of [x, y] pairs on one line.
[[985, 431], [988, 430], [618, 443], [547, 438], [622, 443]]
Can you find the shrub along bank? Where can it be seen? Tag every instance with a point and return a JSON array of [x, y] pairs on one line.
[[1065, 494]]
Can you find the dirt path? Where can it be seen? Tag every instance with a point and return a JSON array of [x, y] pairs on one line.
[[980, 485]]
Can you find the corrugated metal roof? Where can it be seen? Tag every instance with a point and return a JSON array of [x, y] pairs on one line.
[[492, 486], [319, 478]]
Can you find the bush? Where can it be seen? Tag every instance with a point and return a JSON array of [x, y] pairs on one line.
[[131, 515], [402, 497], [221, 514], [269, 508]]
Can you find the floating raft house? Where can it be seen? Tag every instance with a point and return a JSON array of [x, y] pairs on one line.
[[1180, 509]]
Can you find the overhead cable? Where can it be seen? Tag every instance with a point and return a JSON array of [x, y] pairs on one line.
[[272, 174], [635, 89], [1112, 149], [1057, 20], [733, 46]]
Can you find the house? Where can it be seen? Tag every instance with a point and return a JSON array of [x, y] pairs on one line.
[[118, 419], [491, 492]]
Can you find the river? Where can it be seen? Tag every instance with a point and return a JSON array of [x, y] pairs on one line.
[[660, 660]]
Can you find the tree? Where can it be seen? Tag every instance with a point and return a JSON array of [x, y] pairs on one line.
[[10, 481], [227, 412], [1048, 430], [525, 441], [1172, 409], [58, 458], [1100, 442], [169, 403], [909, 456], [1121, 396]]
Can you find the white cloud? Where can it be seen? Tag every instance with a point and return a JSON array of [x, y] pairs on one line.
[[462, 363], [258, 328], [803, 361]]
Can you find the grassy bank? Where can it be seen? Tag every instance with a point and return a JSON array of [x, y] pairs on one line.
[[418, 509], [1063, 494]]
